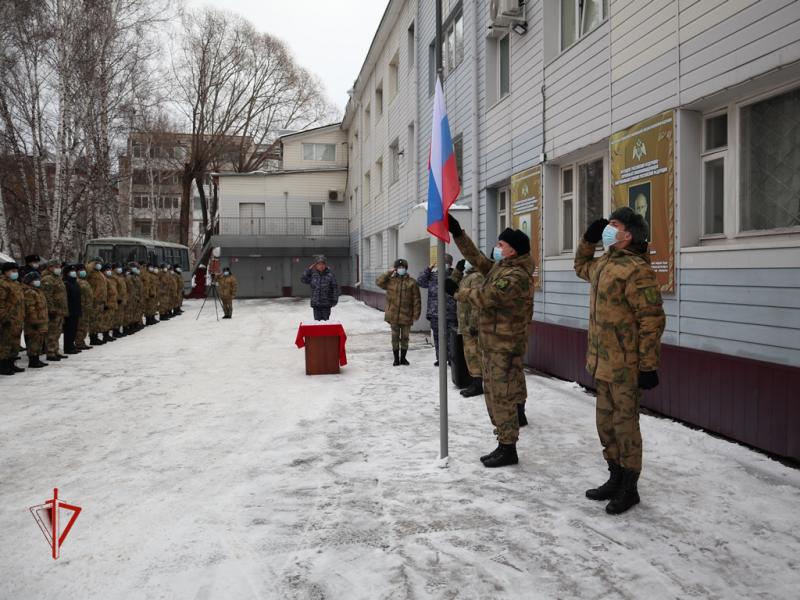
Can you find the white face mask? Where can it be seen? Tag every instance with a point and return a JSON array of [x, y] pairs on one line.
[[73, 274], [108, 273], [57, 271], [35, 265], [98, 267], [119, 271], [36, 283]]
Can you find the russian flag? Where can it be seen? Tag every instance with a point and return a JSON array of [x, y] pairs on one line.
[[443, 184]]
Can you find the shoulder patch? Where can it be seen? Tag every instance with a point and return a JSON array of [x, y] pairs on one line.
[[652, 295], [501, 284]]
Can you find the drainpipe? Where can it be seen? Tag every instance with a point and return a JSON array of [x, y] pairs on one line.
[[475, 133]]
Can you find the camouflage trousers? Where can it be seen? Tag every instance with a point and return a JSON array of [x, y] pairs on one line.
[[54, 328], [618, 423], [400, 334], [472, 354], [82, 332], [34, 341], [504, 388], [95, 320], [227, 305], [9, 344]]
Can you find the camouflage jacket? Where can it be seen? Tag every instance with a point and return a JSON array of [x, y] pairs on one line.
[[178, 288], [504, 299], [137, 292], [56, 294], [122, 289], [468, 315], [35, 309], [227, 286], [12, 302], [626, 316], [87, 297], [99, 285], [111, 298], [165, 289], [403, 300]]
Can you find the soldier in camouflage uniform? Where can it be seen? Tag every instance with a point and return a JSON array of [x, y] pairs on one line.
[[150, 290], [626, 320], [137, 285], [468, 325], [177, 273], [403, 307], [164, 293], [502, 328], [12, 314], [87, 308], [227, 287], [112, 304], [118, 276], [36, 319], [96, 279], [56, 294]]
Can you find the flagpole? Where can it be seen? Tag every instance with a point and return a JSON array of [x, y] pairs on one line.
[[440, 263]]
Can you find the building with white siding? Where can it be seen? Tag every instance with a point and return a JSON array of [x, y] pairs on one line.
[[272, 223], [688, 110]]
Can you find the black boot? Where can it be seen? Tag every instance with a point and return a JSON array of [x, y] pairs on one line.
[[609, 489], [403, 360], [627, 495], [95, 341], [5, 367], [34, 362], [475, 388], [396, 354], [523, 420], [53, 357], [491, 454], [506, 455], [109, 336]]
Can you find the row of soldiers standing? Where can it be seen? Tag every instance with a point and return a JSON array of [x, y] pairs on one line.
[[101, 301]]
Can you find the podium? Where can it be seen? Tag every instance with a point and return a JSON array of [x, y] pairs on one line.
[[324, 347]]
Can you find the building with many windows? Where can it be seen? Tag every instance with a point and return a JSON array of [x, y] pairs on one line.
[[688, 111]]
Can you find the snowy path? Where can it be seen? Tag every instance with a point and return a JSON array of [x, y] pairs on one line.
[[209, 466]]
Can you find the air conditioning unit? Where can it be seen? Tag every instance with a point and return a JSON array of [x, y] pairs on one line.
[[336, 195], [503, 13]]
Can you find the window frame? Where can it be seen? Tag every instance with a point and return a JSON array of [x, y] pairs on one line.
[[579, 5], [499, 66], [710, 155], [311, 207], [503, 209], [315, 146], [575, 196]]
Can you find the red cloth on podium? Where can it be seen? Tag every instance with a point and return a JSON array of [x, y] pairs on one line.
[[333, 329]]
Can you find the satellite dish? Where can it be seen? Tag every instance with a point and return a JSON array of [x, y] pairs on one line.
[[216, 251]]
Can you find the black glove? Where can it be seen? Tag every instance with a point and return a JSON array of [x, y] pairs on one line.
[[454, 226], [648, 379], [450, 286], [595, 231], [460, 265]]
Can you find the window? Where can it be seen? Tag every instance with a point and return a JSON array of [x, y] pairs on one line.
[[379, 175], [411, 46], [503, 201], [431, 68], [140, 202], [452, 42], [458, 150], [378, 247], [142, 229], [503, 66], [579, 17], [319, 152], [379, 100], [394, 82], [498, 75], [769, 163], [590, 192], [316, 214], [366, 253], [566, 212], [410, 147], [367, 191], [715, 150], [137, 150], [367, 121], [394, 165]]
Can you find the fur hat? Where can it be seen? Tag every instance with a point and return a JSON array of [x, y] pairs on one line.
[[400, 262], [32, 258], [634, 223], [517, 240], [9, 266]]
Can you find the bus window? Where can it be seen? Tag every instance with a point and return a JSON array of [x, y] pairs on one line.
[[125, 253], [104, 251], [159, 255], [184, 259]]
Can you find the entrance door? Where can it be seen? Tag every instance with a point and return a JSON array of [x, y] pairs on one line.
[[316, 223], [251, 218]]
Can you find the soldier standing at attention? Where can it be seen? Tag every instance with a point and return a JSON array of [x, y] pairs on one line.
[[87, 308], [56, 294], [150, 290], [35, 319], [503, 302], [97, 280], [112, 304], [626, 320], [122, 300], [73, 315], [164, 293], [178, 274], [226, 287], [403, 307], [468, 323], [12, 315]]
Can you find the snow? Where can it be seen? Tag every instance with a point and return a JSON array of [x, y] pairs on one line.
[[208, 465]]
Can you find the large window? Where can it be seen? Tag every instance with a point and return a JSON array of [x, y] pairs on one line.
[[452, 42], [394, 79], [319, 152], [581, 199], [590, 192], [579, 17], [769, 163], [498, 68], [411, 46], [715, 150]]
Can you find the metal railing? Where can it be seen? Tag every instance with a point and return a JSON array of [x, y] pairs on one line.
[[284, 226]]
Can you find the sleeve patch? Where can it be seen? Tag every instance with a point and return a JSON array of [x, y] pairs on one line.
[[652, 295], [501, 284]]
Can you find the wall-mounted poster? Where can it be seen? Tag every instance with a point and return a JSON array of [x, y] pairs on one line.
[[643, 178], [526, 198]]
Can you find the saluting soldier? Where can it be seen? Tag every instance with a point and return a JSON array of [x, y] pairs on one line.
[[12, 316], [56, 294], [36, 319], [403, 307], [503, 301], [96, 279], [227, 287]]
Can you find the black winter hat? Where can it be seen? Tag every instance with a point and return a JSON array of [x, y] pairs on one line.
[[107, 267], [634, 223], [32, 258], [400, 262], [9, 266], [517, 240], [30, 276]]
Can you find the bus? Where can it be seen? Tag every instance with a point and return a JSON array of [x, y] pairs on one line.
[[126, 249]]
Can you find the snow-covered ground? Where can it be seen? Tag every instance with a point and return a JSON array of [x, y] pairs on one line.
[[208, 465]]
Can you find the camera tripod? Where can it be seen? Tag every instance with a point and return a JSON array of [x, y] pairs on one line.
[[211, 289]]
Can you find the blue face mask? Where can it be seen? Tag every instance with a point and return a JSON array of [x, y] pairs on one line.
[[609, 236], [13, 276], [82, 274], [401, 271], [497, 254], [73, 274]]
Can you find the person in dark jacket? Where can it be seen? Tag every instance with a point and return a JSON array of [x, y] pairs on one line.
[[324, 289], [73, 309], [429, 279]]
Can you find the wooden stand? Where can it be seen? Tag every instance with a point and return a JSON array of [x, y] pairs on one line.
[[322, 355]]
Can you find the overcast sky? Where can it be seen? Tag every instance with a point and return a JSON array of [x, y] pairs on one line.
[[330, 38]]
